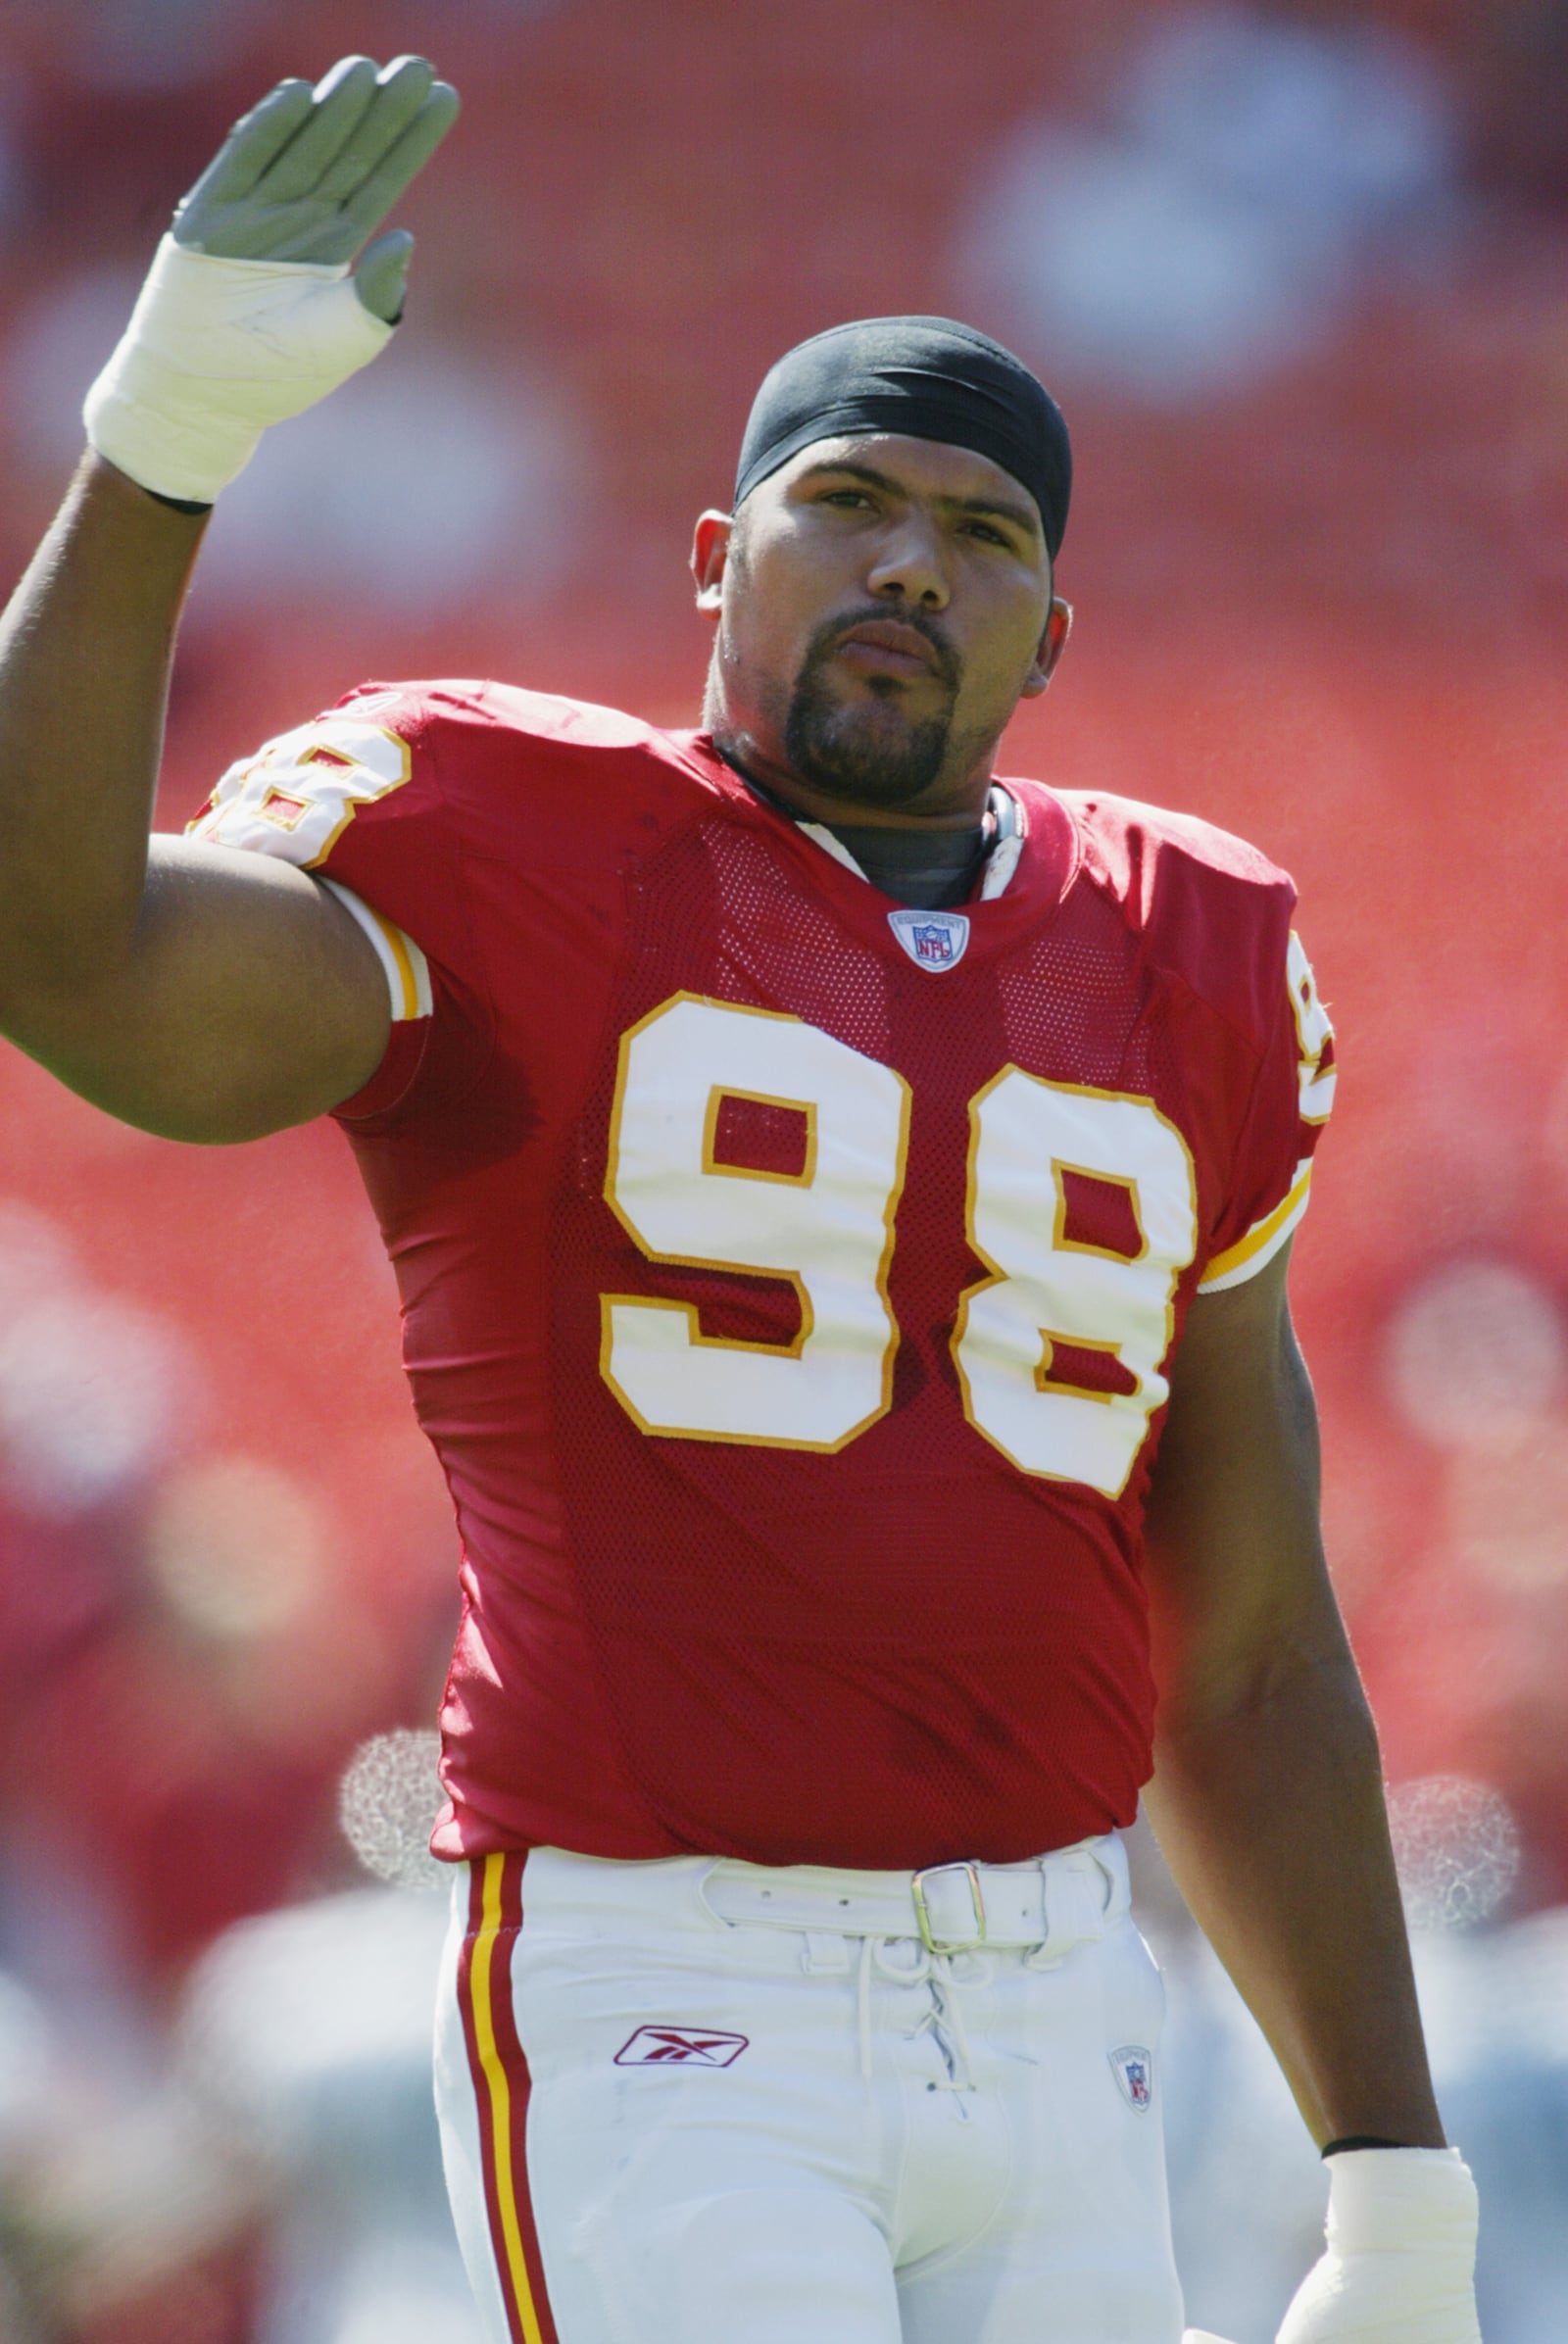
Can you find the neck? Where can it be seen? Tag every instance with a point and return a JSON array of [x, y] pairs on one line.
[[945, 805]]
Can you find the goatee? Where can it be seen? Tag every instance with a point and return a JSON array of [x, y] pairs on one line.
[[865, 752]]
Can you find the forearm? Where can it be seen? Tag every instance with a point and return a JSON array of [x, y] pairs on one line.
[[251, 312], [85, 647], [1271, 1817]]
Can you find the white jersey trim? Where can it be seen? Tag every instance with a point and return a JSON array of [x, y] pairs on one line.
[[1001, 864], [830, 845], [405, 966]]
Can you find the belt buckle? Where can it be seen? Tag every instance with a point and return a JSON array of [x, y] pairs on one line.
[[923, 1914]]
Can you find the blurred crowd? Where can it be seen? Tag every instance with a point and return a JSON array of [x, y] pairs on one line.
[[1298, 273]]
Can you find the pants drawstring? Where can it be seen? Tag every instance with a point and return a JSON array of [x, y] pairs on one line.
[[951, 2002], [944, 2018]]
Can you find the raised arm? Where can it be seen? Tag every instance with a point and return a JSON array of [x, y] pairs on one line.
[[205, 994], [1267, 1800]]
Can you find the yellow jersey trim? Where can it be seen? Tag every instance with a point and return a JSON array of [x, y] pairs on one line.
[[404, 966], [1263, 1241]]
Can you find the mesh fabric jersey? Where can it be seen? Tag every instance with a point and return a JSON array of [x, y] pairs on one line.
[[787, 1293]]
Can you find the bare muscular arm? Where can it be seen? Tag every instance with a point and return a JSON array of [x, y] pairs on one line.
[[204, 995], [200, 994], [1268, 1797]]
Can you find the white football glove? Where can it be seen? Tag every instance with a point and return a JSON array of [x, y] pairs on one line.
[[1401, 2253], [250, 313]]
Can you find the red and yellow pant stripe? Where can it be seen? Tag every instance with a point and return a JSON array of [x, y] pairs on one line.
[[501, 2087]]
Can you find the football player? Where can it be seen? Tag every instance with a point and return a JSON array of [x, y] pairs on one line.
[[841, 1201]]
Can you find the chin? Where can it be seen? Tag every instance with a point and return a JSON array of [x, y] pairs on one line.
[[870, 762]]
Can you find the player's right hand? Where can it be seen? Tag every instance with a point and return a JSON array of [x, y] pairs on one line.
[[250, 313]]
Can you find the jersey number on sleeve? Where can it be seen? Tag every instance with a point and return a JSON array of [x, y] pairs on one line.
[[1058, 1350], [298, 797]]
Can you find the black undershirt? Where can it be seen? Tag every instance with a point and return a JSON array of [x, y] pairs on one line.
[[930, 870]]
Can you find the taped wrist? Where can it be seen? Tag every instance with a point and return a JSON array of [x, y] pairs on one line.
[[1385, 2201], [1400, 2256], [215, 351]]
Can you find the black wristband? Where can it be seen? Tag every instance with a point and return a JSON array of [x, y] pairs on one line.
[[177, 503], [1361, 2140]]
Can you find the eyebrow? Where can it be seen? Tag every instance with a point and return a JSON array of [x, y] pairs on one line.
[[993, 507]]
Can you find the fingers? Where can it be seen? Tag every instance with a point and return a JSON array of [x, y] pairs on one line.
[[253, 145], [309, 173], [412, 152], [401, 89], [381, 278], [339, 104]]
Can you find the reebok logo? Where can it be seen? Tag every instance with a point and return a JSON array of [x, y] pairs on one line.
[[680, 2047]]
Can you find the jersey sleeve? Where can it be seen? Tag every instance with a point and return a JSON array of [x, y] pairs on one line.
[[1292, 1101], [355, 798]]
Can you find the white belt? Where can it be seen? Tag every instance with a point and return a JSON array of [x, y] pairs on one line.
[[1054, 1903]]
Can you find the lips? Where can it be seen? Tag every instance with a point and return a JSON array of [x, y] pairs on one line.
[[888, 646]]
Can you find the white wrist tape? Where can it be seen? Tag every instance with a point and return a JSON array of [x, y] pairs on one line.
[[216, 350], [1383, 2200], [1402, 2250]]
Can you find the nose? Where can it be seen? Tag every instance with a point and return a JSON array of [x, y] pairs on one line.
[[909, 567]]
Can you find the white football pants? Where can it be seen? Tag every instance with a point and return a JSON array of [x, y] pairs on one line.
[[679, 2105]]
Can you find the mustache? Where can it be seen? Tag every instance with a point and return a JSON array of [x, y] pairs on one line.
[[949, 665]]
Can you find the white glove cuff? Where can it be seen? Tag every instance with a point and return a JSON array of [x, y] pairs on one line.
[[215, 352], [1386, 2200]]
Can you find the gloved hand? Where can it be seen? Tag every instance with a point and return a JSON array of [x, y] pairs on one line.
[[250, 313], [1402, 2251]]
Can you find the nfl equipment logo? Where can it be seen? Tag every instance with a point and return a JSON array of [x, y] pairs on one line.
[[680, 2047], [1134, 2070], [934, 940]]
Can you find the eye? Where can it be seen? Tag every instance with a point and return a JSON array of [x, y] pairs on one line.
[[848, 498], [988, 535]]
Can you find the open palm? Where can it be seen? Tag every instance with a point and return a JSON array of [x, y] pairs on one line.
[[310, 174]]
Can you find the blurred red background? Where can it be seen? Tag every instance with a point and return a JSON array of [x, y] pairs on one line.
[[1320, 583]]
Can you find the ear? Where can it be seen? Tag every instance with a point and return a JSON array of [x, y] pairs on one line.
[[1052, 642], [710, 556]]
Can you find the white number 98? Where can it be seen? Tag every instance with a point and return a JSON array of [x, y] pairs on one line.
[[826, 1226]]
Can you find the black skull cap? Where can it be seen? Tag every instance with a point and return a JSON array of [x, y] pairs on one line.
[[929, 378]]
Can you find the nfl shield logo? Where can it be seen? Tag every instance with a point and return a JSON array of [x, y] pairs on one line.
[[1134, 2070], [933, 940]]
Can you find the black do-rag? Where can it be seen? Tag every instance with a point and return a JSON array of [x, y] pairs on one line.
[[925, 376]]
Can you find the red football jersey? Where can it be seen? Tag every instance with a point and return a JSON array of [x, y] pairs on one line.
[[789, 1279]]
